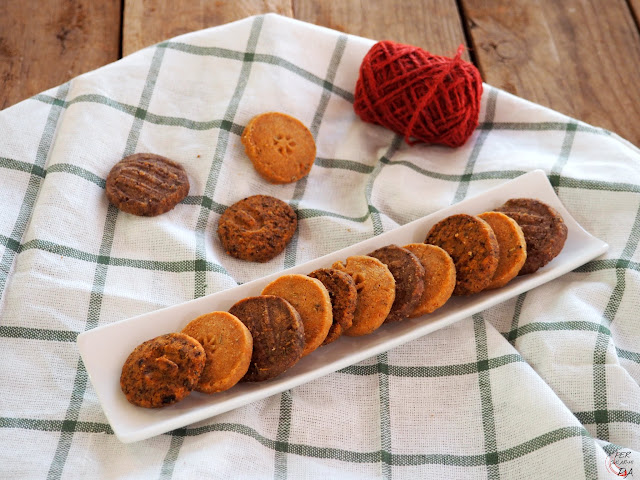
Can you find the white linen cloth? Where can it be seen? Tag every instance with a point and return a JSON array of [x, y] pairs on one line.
[[542, 386]]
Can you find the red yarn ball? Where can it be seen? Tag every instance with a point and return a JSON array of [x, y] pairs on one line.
[[424, 97]]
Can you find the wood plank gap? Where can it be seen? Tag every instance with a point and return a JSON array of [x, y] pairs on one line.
[[121, 32], [468, 38], [634, 8]]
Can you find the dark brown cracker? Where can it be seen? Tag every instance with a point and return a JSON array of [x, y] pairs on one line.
[[544, 230], [146, 185], [343, 295], [408, 273], [473, 247], [278, 335], [162, 371], [257, 228]]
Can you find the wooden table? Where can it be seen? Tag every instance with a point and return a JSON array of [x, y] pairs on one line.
[[579, 57]]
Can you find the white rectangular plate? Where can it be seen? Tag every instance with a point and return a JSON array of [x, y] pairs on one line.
[[104, 349]]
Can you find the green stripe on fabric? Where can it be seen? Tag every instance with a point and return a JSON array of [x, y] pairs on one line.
[[29, 333], [281, 445], [314, 128], [349, 456], [598, 185], [206, 202], [149, 117], [542, 441], [145, 100], [430, 371], [541, 127], [610, 448], [169, 462], [589, 458], [607, 264], [563, 157], [336, 163], [10, 243], [218, 158], [203, 51], [33, 187], [633, 240], [55, 425], [95, 299], [384, 160], [77, 171], [463, 186], [628, 355], [310, 451], [489, 175], [90, 98], [305, 213], [20, 166], [486, 400], [386, 448], [573, 325], [176, 266], [613, 416], [513, 333]]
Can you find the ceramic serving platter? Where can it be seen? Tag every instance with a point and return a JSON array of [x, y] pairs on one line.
[[104, 349]]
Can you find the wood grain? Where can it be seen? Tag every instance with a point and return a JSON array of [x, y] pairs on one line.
[[44, 44], [579, 57], [434, 25], [147, 22]]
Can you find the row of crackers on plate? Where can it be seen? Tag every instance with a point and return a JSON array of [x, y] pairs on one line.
[[262, 336]]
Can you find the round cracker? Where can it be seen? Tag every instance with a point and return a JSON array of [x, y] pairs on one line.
[[311, 300], [228, 346], [278, 335], [543, 227], [257, 228], [376, 292], [146, 184], [280, 147], [439, 278], [473, 247], [513, 247], [344, 296], [408, 274], [162, 371]]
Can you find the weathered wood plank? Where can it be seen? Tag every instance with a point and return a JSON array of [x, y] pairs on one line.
[[579, 57], [44, 44], [434, 25], [148, 21]]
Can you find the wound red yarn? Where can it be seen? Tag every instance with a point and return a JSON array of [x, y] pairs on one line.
[[424, 97]]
